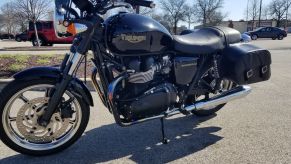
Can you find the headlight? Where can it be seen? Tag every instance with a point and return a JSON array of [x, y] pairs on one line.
[[63, 27]]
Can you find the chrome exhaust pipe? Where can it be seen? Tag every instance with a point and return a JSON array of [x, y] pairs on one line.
[[233, 94]]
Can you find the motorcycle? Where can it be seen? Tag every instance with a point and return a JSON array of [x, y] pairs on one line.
[[141, 73]]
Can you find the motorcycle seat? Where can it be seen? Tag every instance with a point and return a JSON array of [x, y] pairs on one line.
[[206, 40]]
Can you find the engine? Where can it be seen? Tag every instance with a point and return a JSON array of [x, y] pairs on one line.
[[147, 92]]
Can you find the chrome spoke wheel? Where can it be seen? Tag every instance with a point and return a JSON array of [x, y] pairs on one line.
[[23, 110]]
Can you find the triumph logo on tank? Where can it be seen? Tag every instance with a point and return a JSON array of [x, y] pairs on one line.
[[133, 38]]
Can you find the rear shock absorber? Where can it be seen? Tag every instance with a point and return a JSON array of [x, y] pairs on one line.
[[216, 73], [215, 68]]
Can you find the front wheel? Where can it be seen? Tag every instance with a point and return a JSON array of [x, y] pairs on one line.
[[18, 39], [40, 41], [23, 103]]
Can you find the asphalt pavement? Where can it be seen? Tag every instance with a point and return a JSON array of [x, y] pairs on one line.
[[256, 129]]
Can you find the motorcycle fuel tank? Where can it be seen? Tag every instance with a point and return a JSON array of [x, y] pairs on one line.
[[129, 34]]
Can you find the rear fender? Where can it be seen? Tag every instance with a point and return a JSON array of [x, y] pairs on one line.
[[54, 73]]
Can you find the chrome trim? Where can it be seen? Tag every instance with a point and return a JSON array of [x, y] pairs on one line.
[[75, 61], [70, 57], [233, 94]]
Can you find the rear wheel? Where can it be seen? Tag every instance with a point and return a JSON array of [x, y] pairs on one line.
[[23, 104], [225, 85], [274, 38]]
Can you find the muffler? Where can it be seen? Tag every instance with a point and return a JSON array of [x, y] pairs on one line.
[[233, 94]]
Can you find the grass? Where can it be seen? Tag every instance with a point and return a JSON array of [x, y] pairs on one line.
[[10, 64], [43, 61], [16, 67]]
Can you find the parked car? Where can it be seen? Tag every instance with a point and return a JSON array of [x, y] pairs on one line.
[[46, 33], [268, 32], [245, 37], [6, 36], [21, 36]]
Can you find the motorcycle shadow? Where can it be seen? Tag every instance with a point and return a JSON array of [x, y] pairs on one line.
[[140, 143]]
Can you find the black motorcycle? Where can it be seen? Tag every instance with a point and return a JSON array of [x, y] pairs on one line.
[[141, 73]]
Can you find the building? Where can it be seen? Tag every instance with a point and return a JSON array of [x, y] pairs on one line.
[[244, 26]]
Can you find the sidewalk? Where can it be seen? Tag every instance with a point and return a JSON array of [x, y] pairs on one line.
[[26, 48]]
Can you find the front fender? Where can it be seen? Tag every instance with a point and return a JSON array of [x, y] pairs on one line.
[[54, 73]]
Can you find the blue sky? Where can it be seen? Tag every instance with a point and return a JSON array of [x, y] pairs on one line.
[[234, 8]]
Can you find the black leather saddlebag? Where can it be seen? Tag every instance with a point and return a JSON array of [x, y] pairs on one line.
[[245, 64]]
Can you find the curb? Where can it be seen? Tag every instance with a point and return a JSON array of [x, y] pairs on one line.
[[35, 49], [4, 82]]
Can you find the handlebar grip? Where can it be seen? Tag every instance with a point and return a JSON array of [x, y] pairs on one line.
[[143, 3]]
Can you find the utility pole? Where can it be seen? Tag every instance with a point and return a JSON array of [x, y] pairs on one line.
[[260, 13]]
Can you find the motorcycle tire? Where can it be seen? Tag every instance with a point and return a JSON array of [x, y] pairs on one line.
[[11, 141]]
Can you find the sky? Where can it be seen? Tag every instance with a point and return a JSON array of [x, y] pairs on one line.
[[235, 9]]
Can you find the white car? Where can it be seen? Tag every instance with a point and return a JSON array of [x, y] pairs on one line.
[[245, 37]]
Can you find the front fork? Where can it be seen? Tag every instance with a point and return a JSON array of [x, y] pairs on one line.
[[68, 68]]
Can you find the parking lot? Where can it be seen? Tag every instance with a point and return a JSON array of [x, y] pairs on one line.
[[256, 129]]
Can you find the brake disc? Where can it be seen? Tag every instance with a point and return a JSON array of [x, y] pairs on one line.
[[27, 122]]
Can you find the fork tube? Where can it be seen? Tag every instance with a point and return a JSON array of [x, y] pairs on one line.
[[61, 88]]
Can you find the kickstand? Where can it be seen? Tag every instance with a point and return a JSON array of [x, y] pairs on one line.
[[164, 139]]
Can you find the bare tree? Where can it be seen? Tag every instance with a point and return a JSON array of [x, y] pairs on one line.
[[189, 15], [1, 21], [174, 11], [216, 18], [277, 10], [8, 17], [253, 11], [288, 4], [208, 11], [265, 12], [33, 10], [163, 19], [146, 11], [20, 20]]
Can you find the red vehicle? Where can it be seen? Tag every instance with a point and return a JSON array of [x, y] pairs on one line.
[[46, 33]]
